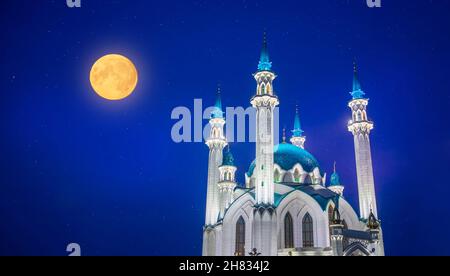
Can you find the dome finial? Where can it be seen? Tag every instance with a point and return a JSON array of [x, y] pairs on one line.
[[284, 135], [334, 167]]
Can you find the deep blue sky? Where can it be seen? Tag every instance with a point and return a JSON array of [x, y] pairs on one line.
[[77, 168]]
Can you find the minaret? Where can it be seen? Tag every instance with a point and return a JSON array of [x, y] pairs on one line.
[[297, 133], [264, 215], [227, 181], [264, 102], [335, 184], [361, 127], [216, 143]]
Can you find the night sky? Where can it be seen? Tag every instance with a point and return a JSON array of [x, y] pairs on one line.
[[77, 168]]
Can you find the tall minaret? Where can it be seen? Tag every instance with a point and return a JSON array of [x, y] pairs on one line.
[[216, 143], [297, 133], [264, 237], [361, 127], [264, 102]]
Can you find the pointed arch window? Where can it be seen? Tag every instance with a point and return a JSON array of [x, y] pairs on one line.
[[288, 231], [263, 89], [296, 176], [308, 179], [330, 218], [359, 116], [269, 88], [277, 175], [240, 237], [308, 231], [330, 214]]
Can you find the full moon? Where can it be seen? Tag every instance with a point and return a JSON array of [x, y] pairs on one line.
[[114, 77]]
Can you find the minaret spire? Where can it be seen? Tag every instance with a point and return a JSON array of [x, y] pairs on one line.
[[264, 60], [297, 133], [357, 92], [360, 126], [218, 111]]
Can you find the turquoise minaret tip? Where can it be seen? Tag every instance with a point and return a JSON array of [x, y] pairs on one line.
[[357, 92], [218, 112], [297, 131], [335, 180], [264, 60]]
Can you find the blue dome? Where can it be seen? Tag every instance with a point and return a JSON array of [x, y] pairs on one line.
[[287, 156]]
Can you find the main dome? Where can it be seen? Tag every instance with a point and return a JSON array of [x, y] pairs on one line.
[[287, 156]]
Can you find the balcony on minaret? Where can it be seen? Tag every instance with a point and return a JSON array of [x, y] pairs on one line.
[[359, 122], [217, 122]]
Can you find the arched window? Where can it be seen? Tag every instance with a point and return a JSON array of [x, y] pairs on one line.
[[330, 214], [263, 89], [296, 176], [240, 237], [288, 231], [330, 218], [308, 231], [308, 179], [359, 116]]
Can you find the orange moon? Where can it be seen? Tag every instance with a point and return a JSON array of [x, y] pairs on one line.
[[113, 77]]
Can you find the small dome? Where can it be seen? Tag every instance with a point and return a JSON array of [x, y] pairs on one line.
[[335, 180], [287, 156]]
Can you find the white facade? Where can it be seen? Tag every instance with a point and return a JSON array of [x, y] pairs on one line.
[[286, 207]]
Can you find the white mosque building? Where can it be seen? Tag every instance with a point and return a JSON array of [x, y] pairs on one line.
[[286, 207]]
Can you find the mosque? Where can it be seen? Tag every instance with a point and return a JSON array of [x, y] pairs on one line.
[[286, 207]]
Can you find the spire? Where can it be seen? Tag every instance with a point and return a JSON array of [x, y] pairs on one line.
[[297, 131], [217, 112], [357, 92], [264, 60]]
